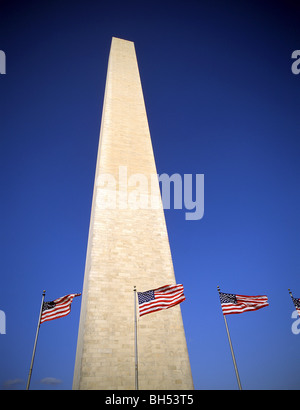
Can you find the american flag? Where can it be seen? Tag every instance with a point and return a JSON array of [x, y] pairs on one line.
[[160, 298], [57, 308], [241, 303], [297, 304]]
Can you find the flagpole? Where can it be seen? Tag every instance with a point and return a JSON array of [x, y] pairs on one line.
[[135, 341], [35, 342], [231, 348]]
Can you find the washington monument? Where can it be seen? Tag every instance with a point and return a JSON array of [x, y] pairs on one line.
[[127, 246]]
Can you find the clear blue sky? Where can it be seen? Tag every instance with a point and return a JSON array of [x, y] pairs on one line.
[[221, 100]]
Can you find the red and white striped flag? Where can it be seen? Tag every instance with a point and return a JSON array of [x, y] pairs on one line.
[[241, 303], [160, 298], [57, 308]]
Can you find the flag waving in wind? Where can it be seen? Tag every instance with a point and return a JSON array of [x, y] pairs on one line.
[[160, 298], [57, 308], [241, 303]]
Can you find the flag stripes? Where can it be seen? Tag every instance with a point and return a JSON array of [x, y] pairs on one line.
[[58, 308], [232, 303], [160, 298]]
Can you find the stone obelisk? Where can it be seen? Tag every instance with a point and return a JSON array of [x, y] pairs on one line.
[[127, 246]]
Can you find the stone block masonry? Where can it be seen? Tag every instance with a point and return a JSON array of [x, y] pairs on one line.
[[127, 248]]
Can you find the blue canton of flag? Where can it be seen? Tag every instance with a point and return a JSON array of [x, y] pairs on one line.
[[144, 297], [296, 304], [227, 298]]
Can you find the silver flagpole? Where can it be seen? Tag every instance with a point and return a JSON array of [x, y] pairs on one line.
[[135, 342], [231, 348], [35, 342]]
